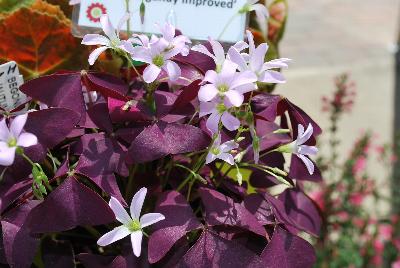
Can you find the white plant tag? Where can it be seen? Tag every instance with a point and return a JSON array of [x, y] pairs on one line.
[[197, 19], [10, 81]]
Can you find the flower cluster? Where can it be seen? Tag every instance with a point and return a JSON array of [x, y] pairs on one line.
[[191, 131]]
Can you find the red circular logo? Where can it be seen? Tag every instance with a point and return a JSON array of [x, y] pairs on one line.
[[94, 12]]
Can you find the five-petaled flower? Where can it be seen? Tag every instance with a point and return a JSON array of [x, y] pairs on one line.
[[227, 83], [112, 40], [131, 225], [254, 62], [221, 151], [14, 137], [158, 53], [219, 110], [298, 148]]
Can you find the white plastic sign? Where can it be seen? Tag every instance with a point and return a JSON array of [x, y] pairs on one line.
[[10, 81], [197, 19]]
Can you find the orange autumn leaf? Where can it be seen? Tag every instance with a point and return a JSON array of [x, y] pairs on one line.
[[37, 37]]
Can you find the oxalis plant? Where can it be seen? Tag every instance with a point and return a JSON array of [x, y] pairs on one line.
[[185, 163]]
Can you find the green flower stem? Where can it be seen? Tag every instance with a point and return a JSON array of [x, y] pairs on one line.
[[128, 26], [28, 159]]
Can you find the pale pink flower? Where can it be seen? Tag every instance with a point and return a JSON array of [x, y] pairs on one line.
[[261, 13], [298, 148], [131, 224], [175, 42], [14, 137], [254, 62], [385, 232], [110, 41], [219, 110], [222, 151], [360, 165], [227, 83], [396, 264], [218, 53], [356, 199]]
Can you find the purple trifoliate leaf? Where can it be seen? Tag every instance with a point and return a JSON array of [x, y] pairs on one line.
[[222, 210], [301, 210], [211, 250], [71, 204], [288, 251], [19, 245], [179, 220], [57, 253], [260, 208], [162, 139], [298, 170]]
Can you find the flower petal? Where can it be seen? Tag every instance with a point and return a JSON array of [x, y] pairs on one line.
[[95, 39], [202, 49], [136, 240], [226, 147], [213, 121], [257, 57], [228, 158], [237, 58], [235, 97], [210, 158], [116, 234], [27, 139], [229, 121], [272, 77], [211, 76], [7, 154], [206, 108], [151, 73], [122, 22], [218, 52], [151, 218], [243, 78], [18, 124], [305, 136], [207, 92], [108, 28], [119, 211], [4, 131], [137, 203], [173, 70], [307, 150], [309, 164], [277, 63], [95, 54]]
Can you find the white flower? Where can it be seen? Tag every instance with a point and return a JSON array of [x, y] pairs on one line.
[[218, 54], [12, 138], [302, 151], [131, 225], [111, 41], [261, 13], [222, 151], [254, 62]]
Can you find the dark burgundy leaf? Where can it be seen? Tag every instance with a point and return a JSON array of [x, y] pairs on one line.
[[266, 106], [58, 90], [212, 250], [179, 220], [301, 210], [10, 191], [260, 208], [187, 94], [278, 208], [71, 204], [162, 139], [108, 85], [98, 261], [198, 60], [99, 115], [288, 251], [51, 126], [57, 254], [19, 246], [121, 112], [222, 210], [298, 170]]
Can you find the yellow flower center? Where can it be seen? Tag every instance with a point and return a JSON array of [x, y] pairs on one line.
[[12, 142], [134, 226], [158, 60]]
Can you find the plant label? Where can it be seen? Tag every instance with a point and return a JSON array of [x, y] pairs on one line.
[[197, 19], [10, 81]]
